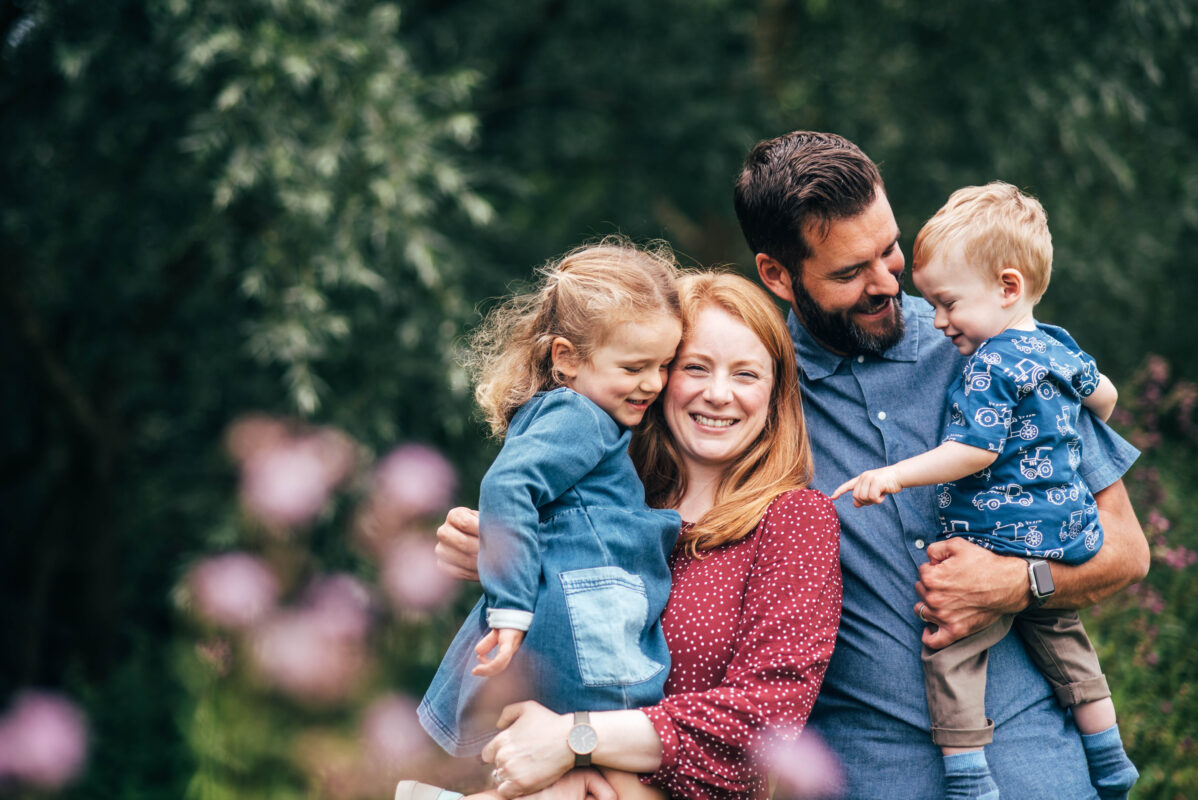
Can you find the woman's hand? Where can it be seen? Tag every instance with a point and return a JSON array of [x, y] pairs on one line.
[[457, 544], [530, 751]]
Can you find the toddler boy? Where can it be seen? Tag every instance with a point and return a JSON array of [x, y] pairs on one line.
[[1007, 469]]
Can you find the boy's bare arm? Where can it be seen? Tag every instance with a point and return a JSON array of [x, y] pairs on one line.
[[1103, 399], [967, 587], [948, 462]]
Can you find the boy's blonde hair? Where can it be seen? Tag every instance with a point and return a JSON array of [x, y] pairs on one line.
[[777, 462], [581, 297], [1000, 227]]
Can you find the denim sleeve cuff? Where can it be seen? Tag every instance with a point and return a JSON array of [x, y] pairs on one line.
[[509, 618]]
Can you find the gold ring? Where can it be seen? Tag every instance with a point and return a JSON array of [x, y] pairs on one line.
[[922, 606]]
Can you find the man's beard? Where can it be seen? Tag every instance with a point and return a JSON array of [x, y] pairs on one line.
[[836, 331]]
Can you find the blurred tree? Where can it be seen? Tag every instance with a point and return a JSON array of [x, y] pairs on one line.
[[207, 208]]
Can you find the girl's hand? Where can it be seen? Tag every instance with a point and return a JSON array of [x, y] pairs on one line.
[[871, 486], [508, 641], [530, 750]]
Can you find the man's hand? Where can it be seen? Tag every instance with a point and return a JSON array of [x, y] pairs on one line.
[[966, 588], [871, 486], [457, 544], [508, 641], [530, 750], [577, 784]]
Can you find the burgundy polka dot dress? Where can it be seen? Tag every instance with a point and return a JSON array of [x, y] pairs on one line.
[[750, 627]]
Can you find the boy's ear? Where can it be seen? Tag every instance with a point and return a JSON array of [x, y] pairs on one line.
[[775, 277], [564, 357], [1011, 285]]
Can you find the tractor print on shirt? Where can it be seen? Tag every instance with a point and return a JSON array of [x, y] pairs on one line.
[[1036, 465], [993, 416], [1025, 429], [1060, 495], [1025, 533]]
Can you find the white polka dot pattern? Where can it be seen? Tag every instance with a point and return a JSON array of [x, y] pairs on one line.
[[751, 626]]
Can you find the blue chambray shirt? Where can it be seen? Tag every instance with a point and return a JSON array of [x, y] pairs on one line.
[[863, 412]]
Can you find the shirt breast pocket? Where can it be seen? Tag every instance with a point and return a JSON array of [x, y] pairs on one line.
[[608, 611]]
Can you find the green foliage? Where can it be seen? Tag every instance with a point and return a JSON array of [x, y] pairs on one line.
[[1145, 635], [286, 205]]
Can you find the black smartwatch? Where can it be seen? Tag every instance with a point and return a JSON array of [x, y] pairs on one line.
[[582, 739], [1040, 579]]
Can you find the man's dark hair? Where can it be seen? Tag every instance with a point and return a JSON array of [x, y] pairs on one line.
[[798, 180]]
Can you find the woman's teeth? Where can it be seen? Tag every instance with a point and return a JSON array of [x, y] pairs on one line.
[[712, 422]]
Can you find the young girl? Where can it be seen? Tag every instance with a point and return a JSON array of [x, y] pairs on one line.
[[573, 562]]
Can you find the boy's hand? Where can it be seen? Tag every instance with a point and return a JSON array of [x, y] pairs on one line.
[[871, 486], [508, 640]]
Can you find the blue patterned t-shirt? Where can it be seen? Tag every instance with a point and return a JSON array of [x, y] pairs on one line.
[[1019, 395]]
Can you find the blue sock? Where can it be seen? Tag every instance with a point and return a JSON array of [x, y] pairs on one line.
[[967, 777], [1111, 771]]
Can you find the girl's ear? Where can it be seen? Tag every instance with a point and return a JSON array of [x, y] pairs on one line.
[[564, 357], [1010, 284]]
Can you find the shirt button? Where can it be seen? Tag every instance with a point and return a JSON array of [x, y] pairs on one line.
[[881, 415], [919, 544], [860, 359]]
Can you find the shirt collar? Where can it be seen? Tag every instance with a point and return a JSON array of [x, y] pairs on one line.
[[818, 362]]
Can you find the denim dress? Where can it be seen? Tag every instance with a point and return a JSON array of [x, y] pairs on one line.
[[568, 546]]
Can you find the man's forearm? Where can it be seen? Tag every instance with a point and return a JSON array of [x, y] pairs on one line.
[[1121, 561]]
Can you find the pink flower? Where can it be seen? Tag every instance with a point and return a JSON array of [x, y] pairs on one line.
[[411, 577], [233, 590], [287, 477], [1152, 658], [43, 740], [415, 480], [341, 605], [804, 765], [1159, 521], [300, 653], [391, 732]]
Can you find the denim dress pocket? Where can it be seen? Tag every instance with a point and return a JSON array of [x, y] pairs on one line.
[[608, 612]]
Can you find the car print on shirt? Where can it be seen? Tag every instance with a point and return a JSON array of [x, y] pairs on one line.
[[993, 499], [1028, 344]]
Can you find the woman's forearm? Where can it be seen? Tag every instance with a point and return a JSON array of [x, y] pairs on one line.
[[627, 741]]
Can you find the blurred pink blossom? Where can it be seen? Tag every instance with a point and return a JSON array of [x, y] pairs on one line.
[[1152, 659], [1158, 369], [287, 477], [304, 655], [415, 480], [391, 732], [233, 590], [411, 577], [805, 767], [43, 740], [1159, 521], [1179, 557], [341, 605]]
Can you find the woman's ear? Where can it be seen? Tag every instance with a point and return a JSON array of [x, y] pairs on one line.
[[564, 357], [1011, 285]]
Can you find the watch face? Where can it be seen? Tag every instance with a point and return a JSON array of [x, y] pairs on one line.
[[582, 739]]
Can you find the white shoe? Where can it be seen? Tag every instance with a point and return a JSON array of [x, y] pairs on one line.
[[415, 790]]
